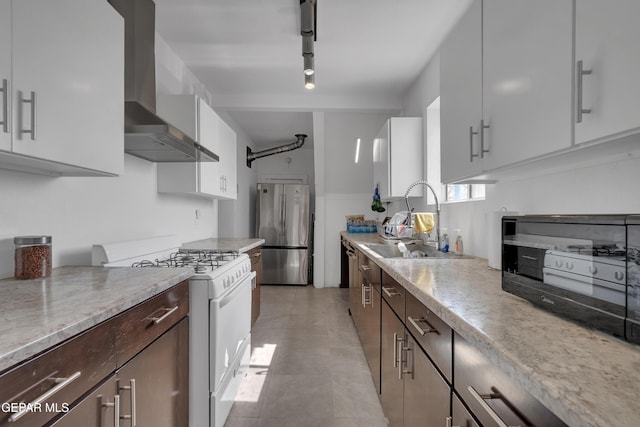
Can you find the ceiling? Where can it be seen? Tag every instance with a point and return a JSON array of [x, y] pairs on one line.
[[247, 53]]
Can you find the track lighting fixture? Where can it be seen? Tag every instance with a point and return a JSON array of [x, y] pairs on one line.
[[309, 35]]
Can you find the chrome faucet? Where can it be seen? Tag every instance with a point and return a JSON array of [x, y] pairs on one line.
[[406, 199]]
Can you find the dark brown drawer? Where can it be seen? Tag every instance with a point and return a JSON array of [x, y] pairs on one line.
[[64, 372], [141, 325], [369, 270], [393, 294], [489, 393], [431, 333]]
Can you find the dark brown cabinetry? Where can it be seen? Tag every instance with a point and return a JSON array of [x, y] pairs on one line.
[[255, 255], [58, 377], [413, 390], [132, 366], [368, 314], [492, 397]]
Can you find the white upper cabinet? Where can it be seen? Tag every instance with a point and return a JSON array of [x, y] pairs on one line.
[[62, 80], [5, 75], [397, 157], [228, 166], [461, 97], [527, 83], [506, 86], [607, 36], [193, 116]]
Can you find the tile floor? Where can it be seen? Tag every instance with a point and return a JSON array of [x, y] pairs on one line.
[[307, 366]]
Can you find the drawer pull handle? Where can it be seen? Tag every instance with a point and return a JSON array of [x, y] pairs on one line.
[[391, 292], [480, 398], [169, 312], [116, 407], [60, 384], [257, 254], [365, 267], [132, 390], [422, 331]]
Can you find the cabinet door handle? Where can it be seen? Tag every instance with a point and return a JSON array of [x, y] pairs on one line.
[[471, 133], [422, 331], [132, 396], [532, 258], [257, 254], [395, 349], [365, 267], [391, 292], [116, 410], [60, 384], [169, 312], [404, 359], [5, 105], [579, 110], [32, 102], [366, 300], [483, 126], [480, 398]]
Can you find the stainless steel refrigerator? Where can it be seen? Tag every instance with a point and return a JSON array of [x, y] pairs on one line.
[[282, 220]]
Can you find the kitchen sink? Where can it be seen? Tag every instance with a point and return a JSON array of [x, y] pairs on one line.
[[416, 250]]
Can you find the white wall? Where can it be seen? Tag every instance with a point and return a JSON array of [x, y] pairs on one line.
[[78, 212], [347, 187], [605, 188]]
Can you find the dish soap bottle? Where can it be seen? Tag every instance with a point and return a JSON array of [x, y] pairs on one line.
[[444, 247]]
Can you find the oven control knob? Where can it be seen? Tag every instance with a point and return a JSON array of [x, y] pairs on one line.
[[593, 269], [569, 265], [619, 275], [558, 263]]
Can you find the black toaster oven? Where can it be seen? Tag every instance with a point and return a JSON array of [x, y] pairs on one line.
[[582, 267]]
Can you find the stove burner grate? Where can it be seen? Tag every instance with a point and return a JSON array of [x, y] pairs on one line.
[[200, 260]]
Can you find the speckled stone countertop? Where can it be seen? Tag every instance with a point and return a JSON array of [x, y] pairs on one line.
[[225, 244], [37, 314], [585, 377]]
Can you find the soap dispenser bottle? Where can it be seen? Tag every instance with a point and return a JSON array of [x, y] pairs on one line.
[[459, 248]]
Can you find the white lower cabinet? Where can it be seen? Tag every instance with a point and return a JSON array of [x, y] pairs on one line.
[[608, 90], [62, 109]]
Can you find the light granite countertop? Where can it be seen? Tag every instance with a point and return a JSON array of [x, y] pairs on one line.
[[585, 377], [225, 244], [37, 314]]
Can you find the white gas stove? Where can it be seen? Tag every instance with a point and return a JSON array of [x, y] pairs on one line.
[[220, 316]]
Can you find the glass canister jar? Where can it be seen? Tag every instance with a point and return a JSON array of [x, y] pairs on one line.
[[32, 257]]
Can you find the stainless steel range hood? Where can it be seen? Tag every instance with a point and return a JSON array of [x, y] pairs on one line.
[[147, 135]]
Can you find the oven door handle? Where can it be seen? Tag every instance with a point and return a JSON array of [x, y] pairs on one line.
[[247, 279]]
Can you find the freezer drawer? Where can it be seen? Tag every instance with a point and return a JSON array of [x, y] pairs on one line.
[[285, 266]]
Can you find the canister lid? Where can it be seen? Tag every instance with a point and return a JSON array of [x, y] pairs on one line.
[[32, 240]]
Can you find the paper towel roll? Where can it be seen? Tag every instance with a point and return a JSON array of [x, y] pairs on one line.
[[494, 237]]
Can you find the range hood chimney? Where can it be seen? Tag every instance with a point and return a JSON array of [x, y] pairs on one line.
[[251, 156], [147, 135]]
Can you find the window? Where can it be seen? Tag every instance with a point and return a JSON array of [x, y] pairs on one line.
[[460, 192]]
